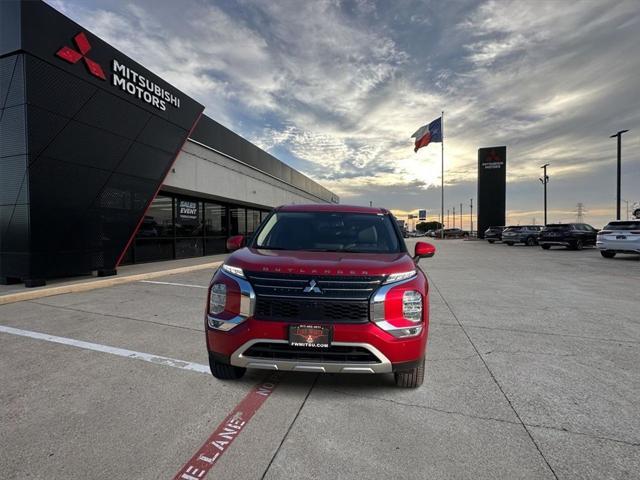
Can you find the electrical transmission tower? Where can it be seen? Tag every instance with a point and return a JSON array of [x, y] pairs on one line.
[[580, 211]]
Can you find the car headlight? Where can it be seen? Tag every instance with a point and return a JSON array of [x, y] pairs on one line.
[[396, 277], [412, 306], [233, 270], [217, 298]]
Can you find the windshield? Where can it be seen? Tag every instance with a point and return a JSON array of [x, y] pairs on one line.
[[630, 225], [329, 232]]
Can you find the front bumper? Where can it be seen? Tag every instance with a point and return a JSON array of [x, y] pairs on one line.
[[391, 353]]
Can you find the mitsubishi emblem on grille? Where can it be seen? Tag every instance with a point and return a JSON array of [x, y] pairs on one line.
[[312, 287]]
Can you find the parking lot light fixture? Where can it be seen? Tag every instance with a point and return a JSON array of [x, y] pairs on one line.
[[545, 180]]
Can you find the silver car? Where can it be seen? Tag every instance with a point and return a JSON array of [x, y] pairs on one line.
[[620, 236]]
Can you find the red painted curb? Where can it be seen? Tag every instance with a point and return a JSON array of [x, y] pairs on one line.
[[224, 435]]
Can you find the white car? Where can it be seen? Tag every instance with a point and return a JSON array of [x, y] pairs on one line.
[[619, 236]]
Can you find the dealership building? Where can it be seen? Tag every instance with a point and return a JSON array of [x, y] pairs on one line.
[[103, 163]]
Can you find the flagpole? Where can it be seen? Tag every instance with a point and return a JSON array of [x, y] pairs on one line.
[[442, 175]]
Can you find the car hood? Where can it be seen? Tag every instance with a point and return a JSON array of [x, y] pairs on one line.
[[320, 263]]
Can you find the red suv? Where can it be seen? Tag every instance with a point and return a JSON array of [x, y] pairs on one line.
[[320, 288]]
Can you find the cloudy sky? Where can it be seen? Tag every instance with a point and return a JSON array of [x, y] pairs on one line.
[[336, 88]]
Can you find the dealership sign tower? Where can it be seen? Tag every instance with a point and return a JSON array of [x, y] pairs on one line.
[[492, 175]]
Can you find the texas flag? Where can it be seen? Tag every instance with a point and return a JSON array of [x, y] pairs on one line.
[[428, 133]]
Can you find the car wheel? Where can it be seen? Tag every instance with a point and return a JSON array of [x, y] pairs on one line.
[[491, 241], [607, 253], [578, 245], [225, 371], [531, 242], [545, 247], [411, 378]]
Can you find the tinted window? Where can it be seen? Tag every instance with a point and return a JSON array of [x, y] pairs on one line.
[[630, 225], [333, 232], [158, 221], [215, 219], [558, 228]]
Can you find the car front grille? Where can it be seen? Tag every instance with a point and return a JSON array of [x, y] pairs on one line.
[[335, 353], [327, 299]]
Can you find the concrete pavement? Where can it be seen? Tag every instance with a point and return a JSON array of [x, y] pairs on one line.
[[531, 373]]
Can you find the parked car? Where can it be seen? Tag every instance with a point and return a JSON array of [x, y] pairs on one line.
[[493, 234], [321, 288], [451, 233], [571, 235], [527, 234], [619, 237]]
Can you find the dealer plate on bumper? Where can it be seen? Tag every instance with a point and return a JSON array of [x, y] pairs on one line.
[[313, 336]]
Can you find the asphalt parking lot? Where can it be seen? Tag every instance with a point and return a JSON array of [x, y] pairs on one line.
[[532, 372]]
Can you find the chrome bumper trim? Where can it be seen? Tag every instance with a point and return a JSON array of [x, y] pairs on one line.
[[238, 359]]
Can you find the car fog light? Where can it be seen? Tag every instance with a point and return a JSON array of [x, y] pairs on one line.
[[218, 298], [406, 332], [412, 305]]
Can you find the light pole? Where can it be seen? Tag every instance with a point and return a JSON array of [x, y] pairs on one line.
[[545, 180], [454, 217], [619, 136], [471, 214], [447, 218]]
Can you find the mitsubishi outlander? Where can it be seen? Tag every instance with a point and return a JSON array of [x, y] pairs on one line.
[[321, 288]]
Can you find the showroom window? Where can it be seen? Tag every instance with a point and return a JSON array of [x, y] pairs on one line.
[[215, 228], [154, 240], [189, 228], [183, 227], [238, 221]]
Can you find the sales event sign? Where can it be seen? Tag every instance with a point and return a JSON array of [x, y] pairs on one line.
[[188, 210]]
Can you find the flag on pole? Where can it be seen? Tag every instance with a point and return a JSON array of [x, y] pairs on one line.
[[426, 134]]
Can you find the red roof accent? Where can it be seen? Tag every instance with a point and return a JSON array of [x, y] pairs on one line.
[[325, 207]]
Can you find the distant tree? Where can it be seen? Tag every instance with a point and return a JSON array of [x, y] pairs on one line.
[[426, 226]]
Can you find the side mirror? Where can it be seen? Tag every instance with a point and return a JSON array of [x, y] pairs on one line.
[[424, 250], [235, 243]]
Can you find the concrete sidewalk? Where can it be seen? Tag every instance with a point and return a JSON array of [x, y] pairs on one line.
[[126, 274]]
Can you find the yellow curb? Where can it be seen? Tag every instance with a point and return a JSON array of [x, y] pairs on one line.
[[95, 284]]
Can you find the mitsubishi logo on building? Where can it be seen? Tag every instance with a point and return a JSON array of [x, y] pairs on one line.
[[312, 287], [74, 56]]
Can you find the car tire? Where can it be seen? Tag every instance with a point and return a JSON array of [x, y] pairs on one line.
[[225, 371], [578, 245], [545, 247], [411, 378], [607, 253], [491, 241], [530, 242]]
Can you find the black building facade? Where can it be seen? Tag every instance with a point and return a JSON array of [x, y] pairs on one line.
[[87, 137]]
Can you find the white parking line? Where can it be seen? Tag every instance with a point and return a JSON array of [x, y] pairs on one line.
[[121, 352], [172, 283]]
